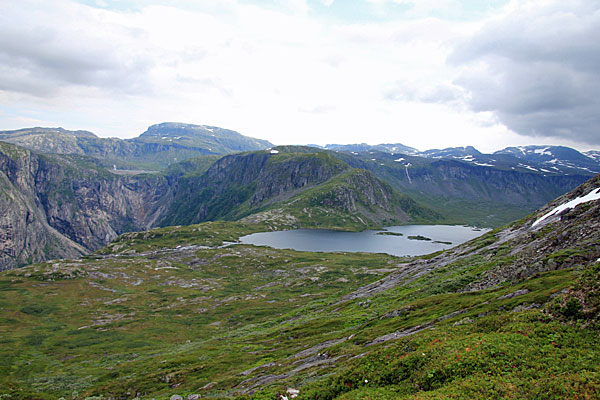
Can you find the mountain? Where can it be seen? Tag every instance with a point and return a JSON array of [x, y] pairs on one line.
[[554, 158], [479, 190], [310, 187], [542, 159], [593, 154], [184, 311], [74, 206], [215, 140], [452, 152], [161, 145], [392, 148], [65, 206]]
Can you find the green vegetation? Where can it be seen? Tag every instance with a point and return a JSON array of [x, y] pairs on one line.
[[188, 310], [302, 186], [172, 311]]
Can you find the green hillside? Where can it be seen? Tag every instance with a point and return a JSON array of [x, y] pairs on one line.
[[512, 314], [300, 187]]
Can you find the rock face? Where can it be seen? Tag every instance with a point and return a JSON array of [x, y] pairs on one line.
[[64, 207], [475, 192], [253, 180]]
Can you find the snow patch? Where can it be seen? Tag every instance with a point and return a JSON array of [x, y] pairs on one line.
[[543, 152], [483, 164], [591, 196], [400, 159], [274, 151], [529, 167]]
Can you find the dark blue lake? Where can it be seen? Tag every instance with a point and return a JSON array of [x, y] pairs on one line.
[[440, 237]]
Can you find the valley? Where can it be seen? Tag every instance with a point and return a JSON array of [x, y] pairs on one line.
[[187, 311], [78, 195], [136, 284]]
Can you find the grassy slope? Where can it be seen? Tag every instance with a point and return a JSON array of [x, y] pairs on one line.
[[158, 320], [320, 207]]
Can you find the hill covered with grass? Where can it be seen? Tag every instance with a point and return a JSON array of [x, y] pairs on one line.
[[186, 311]]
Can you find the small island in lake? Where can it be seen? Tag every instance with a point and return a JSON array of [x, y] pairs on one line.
[[441, 242], [390, 233], [418, 237]]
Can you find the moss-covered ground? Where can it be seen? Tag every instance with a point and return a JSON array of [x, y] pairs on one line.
[[184, 311]]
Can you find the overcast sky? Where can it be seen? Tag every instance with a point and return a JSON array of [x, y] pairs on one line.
[[425, 73]]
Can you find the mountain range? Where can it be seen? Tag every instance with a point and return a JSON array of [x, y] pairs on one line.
[[188, 312], [157, 148], [78, 192]]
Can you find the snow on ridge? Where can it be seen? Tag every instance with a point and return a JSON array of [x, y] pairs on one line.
[[529, 167], [591, 196], [483, 164], [400, 159], [543, 152]]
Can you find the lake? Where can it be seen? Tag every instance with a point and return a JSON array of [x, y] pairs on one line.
[[406, 240]]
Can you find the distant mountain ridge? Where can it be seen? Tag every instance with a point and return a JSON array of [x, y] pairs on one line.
[[384, 147], [538, 158], [158, 147]]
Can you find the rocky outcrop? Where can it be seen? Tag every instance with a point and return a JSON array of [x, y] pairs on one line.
[[64, 207]]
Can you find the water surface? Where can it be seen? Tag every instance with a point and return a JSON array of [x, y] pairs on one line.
[[369, 241]]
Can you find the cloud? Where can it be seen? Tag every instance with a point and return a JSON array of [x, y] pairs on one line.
[[47, 53], [537, 68], [441, 93], [276, 70]]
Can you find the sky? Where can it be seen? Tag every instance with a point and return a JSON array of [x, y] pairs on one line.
[[424, 73]]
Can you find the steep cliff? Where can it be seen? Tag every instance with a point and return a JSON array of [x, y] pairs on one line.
[[65, 206]]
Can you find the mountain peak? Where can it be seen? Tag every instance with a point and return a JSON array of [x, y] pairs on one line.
[[179, 128]]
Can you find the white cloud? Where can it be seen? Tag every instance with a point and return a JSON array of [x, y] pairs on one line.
[[275, 74]]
